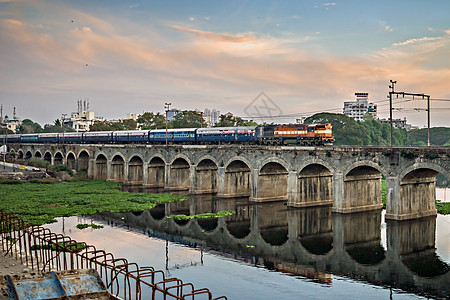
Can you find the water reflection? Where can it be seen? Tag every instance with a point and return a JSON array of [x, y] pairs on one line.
[[311, 242]]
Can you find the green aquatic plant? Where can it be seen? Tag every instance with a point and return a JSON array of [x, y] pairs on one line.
[[63, 246], [93, 226], [42, 203], [219, 214]]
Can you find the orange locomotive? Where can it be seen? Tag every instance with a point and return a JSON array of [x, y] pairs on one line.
[[303, 134]]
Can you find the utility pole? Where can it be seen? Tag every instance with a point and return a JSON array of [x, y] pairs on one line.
[[428, 117], [167, 107], [408, 94], [392, 86], [63, 117]]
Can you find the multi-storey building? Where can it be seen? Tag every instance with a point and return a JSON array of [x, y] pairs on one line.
[[357, 109]]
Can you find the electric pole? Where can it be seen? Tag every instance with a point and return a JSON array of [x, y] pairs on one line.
[[392, 86], [167, 107], [393, 92]]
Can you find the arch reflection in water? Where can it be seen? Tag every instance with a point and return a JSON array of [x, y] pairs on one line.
[[309, 242]]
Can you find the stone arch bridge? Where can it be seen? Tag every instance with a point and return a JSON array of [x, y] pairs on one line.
[[348, 178]]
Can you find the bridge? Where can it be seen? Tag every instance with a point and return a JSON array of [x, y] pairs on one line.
[[347, 178]]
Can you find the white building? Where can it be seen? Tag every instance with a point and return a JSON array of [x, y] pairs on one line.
[[357, 109], [82, 119], [397, 123]]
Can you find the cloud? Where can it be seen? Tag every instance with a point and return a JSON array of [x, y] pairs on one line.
[[388, 28], [329, 4], [215, 36]]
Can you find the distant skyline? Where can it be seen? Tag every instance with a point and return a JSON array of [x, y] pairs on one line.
[[289, 58]]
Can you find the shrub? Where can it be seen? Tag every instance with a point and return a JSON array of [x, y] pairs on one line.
[[60, 168], [409, 154]]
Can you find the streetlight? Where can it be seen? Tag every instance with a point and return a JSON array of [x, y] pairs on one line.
[[167, 107]]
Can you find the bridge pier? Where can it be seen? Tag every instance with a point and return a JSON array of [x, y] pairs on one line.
[[205, 178]]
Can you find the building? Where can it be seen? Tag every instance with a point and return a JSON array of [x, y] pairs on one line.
[[82, 119], [171, 113], [10, 124], [357, 109], [397, 123], [211, 116]]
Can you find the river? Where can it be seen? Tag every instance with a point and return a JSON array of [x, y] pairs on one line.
[[270, 251]]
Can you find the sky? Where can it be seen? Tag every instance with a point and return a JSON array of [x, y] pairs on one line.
[[261, 60]]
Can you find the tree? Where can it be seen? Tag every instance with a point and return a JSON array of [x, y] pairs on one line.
[[187, 119], [129, 124], [347, 131], [28, 126], [232, 121], [149, 120]]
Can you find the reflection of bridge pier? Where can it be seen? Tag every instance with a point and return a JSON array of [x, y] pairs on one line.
[[412, 256]]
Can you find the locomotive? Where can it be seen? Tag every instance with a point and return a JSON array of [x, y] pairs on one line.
[[298, 134]]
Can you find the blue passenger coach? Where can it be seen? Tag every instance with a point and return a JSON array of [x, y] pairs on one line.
[[173, 135], [96, 137], [131, 136], [226, 134]]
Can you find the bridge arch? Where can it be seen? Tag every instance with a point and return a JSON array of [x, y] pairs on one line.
[[443, 169], [83, 160], [101, 168], [71, 160], [180, 171], [206, 177], [314, 184], [48, 156], [156, 172], [37, 154], [28, 155], [19, 154], [136, 170], [237, 178], [272, 174], [117, 167], [58, 158], [362, 187]]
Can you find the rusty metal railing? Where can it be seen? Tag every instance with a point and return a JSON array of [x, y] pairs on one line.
[[41, 251]]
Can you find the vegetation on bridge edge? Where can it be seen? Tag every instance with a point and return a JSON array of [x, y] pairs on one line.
[[203, 216], [42, 203]]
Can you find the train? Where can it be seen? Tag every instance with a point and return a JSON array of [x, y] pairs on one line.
[[298, 134]]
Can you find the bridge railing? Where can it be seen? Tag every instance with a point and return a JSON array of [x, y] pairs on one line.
[[42, 250]]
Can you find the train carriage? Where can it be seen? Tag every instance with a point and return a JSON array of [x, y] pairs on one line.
[[48, 138], [29, 138], [186, 135], [71, 137], [96, 137], [10, 138], [131, 136], [226, 134]]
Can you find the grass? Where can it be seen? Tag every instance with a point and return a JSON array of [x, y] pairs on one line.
[[42, 203], [203, 216]]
